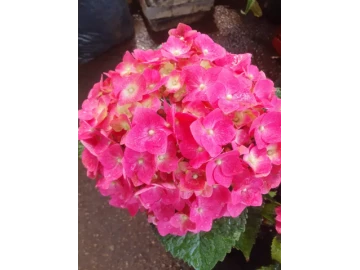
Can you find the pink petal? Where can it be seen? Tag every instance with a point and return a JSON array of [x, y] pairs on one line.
[[272, 125], [235, 209], [221, 179], [141, 164], [168, 162], [90, 161], [129, 89], [264, 89], [208, 48], [230, 163], [258, 160], [182, 125]]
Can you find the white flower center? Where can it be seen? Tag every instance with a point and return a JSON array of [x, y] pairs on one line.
[[261, 128], [202, 86], [218, 162], [229, 96], [253, 160], [176, 52], [210, 132], [195, 176], [151, 132], [205, 51], [141, 161], [161, 157]]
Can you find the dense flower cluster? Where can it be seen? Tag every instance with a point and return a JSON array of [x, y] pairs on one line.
[[188, 133]]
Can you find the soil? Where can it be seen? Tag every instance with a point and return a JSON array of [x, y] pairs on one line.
[[108, 237]]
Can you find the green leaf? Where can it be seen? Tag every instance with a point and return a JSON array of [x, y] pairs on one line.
[[254, 6], [268, 212], [278, 92], [205, 249], [80, 148], [248, 6], [276, 249], [272, 194], [248, 238], [256, 9]]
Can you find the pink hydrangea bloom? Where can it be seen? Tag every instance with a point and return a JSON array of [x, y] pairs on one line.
[[129, 89], [183, 32], [168, 161], [147, 56], [237, 62], [203, 211], [149, 132], [127, 66], [90, 163], [230, 93], [187, 133], [111, 159], [152, 80], [208, 49], [198, 80], [267, 129], [278, 219], [223, 168], [191, 150], [213, 131], [141, 165], [175, 48], [247, 190], [259, 161]]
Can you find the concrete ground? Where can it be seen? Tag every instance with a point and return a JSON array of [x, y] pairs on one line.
[[108, 237]]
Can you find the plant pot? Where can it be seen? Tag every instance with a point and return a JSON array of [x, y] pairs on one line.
[[166, 14], [102, 24]]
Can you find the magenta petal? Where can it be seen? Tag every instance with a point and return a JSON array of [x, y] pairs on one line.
[[231, 163], [210, 167], [224, 132], [151, 195], [163, 212], [112, 156], [157, 143], [182, 125], [136, 138], [264, 89], [200, 159], [215, 91], [211, 145], [197, 130], [89, 160], [228, 106], [222, 179], [113, 173], [235, 209]]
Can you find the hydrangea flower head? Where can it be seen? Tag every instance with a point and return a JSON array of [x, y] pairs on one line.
[[187, 133]]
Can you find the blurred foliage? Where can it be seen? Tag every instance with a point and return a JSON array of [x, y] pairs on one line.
[[254, 6]]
